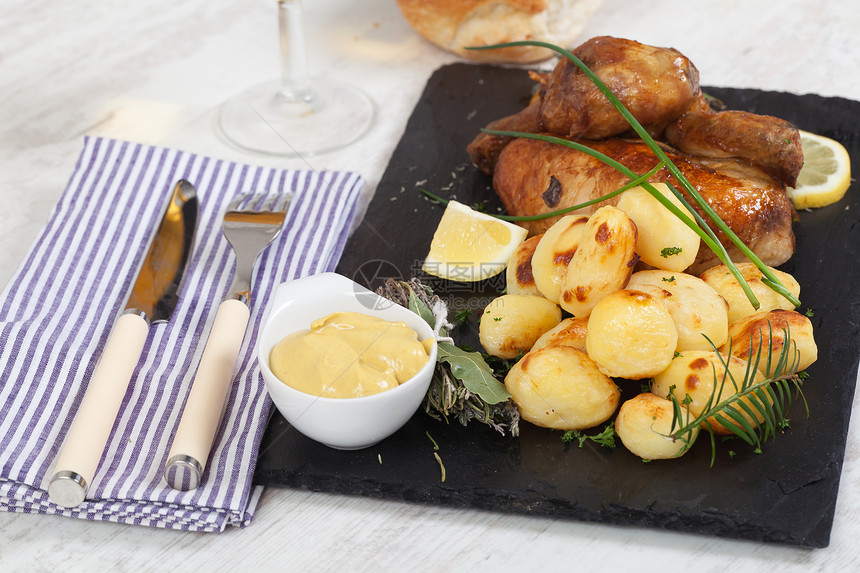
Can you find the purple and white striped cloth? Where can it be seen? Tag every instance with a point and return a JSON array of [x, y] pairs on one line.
[[58, 310]]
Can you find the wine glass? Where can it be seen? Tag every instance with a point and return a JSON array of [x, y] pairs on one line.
[[296, 115]]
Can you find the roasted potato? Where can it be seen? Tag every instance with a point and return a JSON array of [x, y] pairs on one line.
[[520, 279], [631, 335], [512, 323], [553, 254], [569, 332], [722, 280], [644, 425], [603, 262], [701, 374], [768, 329], [561, 387], [664, 241], [696, 308]]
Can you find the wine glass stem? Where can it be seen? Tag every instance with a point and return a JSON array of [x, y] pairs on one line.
[[294, 65]]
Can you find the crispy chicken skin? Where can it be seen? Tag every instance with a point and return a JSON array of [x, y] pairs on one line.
[[655, 84], [766, 141], [534, 177]]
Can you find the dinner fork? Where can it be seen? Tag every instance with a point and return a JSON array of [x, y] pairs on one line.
[[251, 222]]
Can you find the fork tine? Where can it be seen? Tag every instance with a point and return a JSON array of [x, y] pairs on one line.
[[267, 206], [283, 202], [261, 202], [237, 201]]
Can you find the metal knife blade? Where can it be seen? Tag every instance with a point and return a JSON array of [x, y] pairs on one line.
[[152, 299], [155, 291]]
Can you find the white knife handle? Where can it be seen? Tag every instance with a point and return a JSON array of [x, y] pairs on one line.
[[88, 434], [205, 405]]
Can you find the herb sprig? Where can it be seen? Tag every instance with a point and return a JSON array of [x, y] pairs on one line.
[[605, 438], [768, 400], [464, 386]]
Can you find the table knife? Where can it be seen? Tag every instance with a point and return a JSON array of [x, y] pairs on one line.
[[153, 299]]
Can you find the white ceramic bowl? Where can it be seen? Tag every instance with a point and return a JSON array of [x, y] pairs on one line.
[[342, 423]]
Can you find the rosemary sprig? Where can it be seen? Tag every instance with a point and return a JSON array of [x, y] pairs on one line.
[[449, 397], [635, 182], [769, 278], [769, 399]]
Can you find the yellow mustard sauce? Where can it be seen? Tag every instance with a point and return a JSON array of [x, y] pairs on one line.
[[349, 355]]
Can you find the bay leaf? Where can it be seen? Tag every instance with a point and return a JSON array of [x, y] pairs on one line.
[[474, 372], [417, 306]]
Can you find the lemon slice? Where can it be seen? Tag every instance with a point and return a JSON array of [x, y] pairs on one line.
[[470, 246], [826, 172]]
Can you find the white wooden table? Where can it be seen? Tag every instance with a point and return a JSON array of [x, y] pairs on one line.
[[153, 71]]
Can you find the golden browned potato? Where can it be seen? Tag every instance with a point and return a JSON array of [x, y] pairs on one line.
[[696, 308], [701, 374], [631, 335], [603, 262], [512, 323], [553, 254], [722, 280], [644, 425], [569, 332], [520, 279], [664, 241], [561, 387], [768, 330]]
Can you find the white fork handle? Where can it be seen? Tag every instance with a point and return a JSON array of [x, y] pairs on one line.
[[88, 434], [205, 405]]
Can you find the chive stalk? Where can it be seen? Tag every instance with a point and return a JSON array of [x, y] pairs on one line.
[[769, 278]]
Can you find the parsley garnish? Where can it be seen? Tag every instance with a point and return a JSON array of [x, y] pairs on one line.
[[462, 316], [606, 438]]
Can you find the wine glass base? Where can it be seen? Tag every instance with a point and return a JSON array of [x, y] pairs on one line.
[[264, 120]]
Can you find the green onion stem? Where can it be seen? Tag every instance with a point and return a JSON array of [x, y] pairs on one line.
[[770, 279]]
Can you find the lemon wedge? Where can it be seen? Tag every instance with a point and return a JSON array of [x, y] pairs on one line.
[[826, 172], [470, 246]]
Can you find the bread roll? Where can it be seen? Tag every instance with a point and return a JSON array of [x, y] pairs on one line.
[[455, 24]]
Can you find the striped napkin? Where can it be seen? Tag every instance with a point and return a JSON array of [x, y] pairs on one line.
[[58, 310]]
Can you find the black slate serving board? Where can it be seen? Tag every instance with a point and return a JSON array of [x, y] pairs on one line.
[[787, 494]]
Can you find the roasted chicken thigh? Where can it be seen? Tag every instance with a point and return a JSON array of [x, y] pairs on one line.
[[534, 177]]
